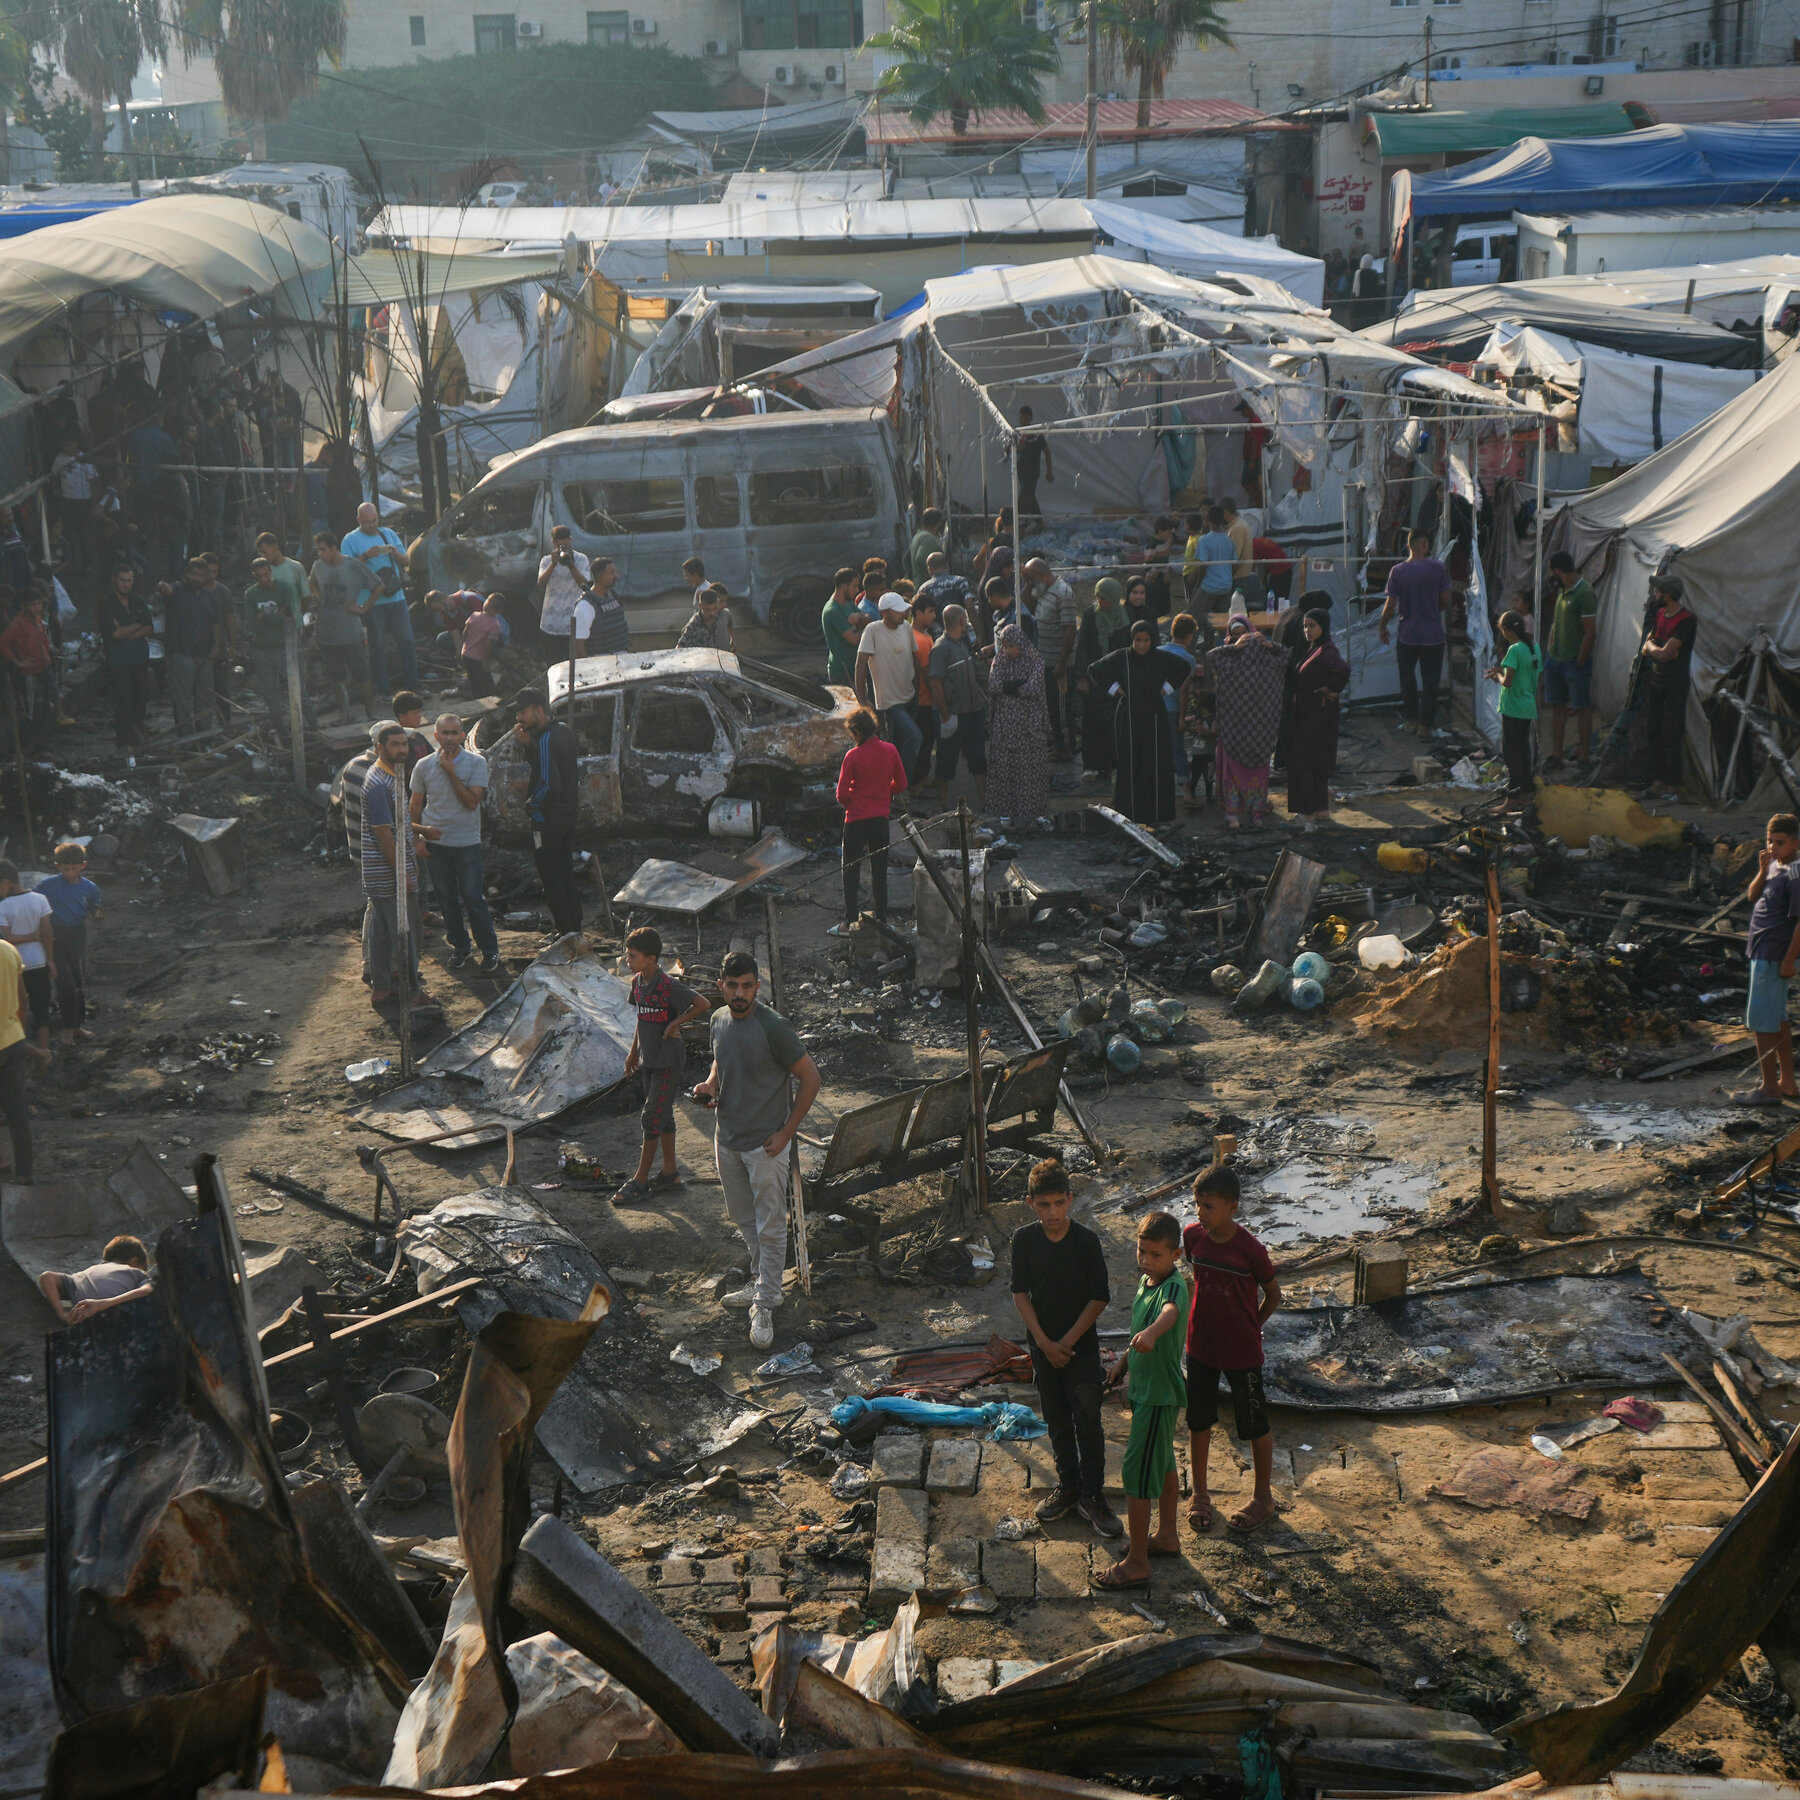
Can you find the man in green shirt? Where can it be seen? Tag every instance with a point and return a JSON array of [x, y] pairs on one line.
[[1569, 656], [270, 608], [842, 627], [1158, 1392], [928, 538]]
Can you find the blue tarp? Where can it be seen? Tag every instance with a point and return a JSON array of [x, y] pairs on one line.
[[1664, 165], [15, 221]]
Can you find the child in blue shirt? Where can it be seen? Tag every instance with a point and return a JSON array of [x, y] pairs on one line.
[[73, 901]]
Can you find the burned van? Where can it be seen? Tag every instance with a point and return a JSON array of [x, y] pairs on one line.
[[772, 503]]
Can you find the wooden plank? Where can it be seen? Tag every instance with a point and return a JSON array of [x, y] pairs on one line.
[[435, 1298], [1746, 1445]]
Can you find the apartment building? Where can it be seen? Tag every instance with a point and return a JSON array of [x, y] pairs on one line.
[[1285, 53]]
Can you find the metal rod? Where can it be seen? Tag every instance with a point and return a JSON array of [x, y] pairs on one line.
[[1490, 1128], [971, 992], [296, 699], [1737, 743], [1790, 777], [1093, 97], [403, 987], [796, 1185]]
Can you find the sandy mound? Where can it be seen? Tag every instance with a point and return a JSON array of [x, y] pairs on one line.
[[1443, 1004]]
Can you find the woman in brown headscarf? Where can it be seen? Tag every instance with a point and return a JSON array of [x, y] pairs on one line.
[[1249, 673]]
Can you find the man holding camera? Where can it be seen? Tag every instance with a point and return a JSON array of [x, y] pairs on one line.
[[564, 580]]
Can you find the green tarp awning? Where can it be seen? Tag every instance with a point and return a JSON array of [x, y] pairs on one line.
[[1496, 128]]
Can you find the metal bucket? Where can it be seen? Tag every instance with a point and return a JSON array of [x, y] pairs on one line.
[[734, 818]]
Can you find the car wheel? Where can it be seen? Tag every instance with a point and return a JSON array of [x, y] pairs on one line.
[[794, 612]]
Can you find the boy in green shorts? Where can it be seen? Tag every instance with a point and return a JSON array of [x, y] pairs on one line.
[[1158, 1394]]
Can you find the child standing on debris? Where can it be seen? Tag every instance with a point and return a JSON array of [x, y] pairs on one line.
[[663, 1006], [1235, 1291], [1153, 1366], [1773, 947], [1517, 674], [73, 901], [1059, 1286]]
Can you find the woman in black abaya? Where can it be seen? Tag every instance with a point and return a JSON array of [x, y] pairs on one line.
[[1144, 773]]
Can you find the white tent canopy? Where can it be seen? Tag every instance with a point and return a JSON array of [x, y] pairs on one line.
[[1720, 502], [634, 241]]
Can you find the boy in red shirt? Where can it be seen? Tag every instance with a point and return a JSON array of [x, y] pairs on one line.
[[871, 775], [663, 1005], [1235, 1290], [25, 643]]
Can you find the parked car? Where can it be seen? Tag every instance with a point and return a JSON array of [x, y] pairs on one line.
[[1477, 253], [662, 734], [772, 503]]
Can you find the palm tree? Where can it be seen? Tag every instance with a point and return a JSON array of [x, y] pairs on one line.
[[1146, 36], [266, 52], [965, 56], [99, 45]]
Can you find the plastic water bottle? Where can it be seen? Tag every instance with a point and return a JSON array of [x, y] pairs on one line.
[[367, 1071], [1123, 1055], [1304, 993], [1309, 965]]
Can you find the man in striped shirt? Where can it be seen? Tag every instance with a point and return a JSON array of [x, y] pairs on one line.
[[384, 807]]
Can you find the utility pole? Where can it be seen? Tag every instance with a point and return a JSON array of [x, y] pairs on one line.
[[1428, 62], [1093, 98]]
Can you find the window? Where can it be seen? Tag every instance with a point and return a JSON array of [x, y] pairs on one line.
[[1403, 2], [628, 508], [801, 24], [491, 511], [594, 723], [1472, 249], [495, 32], [416, 28], [812, 496], [715, 502], [678, 723], [609, 28], [784, 681]]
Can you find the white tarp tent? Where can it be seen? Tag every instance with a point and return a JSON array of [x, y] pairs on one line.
[[1631, 406], [1722, 501], [636, 242]]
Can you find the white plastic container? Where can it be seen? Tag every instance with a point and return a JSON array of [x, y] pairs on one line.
[[1381, 953], [734, 818]]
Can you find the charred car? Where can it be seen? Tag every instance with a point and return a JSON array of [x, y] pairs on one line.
[[662, 735]]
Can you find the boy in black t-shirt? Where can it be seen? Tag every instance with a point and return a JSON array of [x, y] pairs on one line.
[[1059, 1286]]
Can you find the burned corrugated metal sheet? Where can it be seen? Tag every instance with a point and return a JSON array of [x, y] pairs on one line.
[[1163, 1708], [176, 1555], [1712, 1616], [559, 1035], [63, 1224], [1501, 1340], [625, 1412]]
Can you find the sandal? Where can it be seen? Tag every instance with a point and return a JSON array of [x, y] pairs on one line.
[[1109, 1582], [1202, 1517], [663, 1184], [633, 1193], [1249, 1520], [1755, 1097]]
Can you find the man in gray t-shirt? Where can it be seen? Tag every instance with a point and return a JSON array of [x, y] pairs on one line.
[[343, 591], [447, 792], [755, 1052]]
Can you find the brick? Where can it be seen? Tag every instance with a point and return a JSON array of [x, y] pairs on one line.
[[1005, 1671], [721, 1571], [761, 1621], [963, 1678], [952, 1566], [678, 1571], [1033, 1456], [898, 1460], [766, 1594], [902, 1515], [729, 1618], [1003, 1480], [765, 1559], [638, 1574], [1010, 1570], [1062, 1570], [734, 1648], [955, 1466]]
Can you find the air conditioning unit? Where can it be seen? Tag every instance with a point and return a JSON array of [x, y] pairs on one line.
[[717, 47], [786, 75], [643, 28], [528, 28], [834, 72], [1703, 54]]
